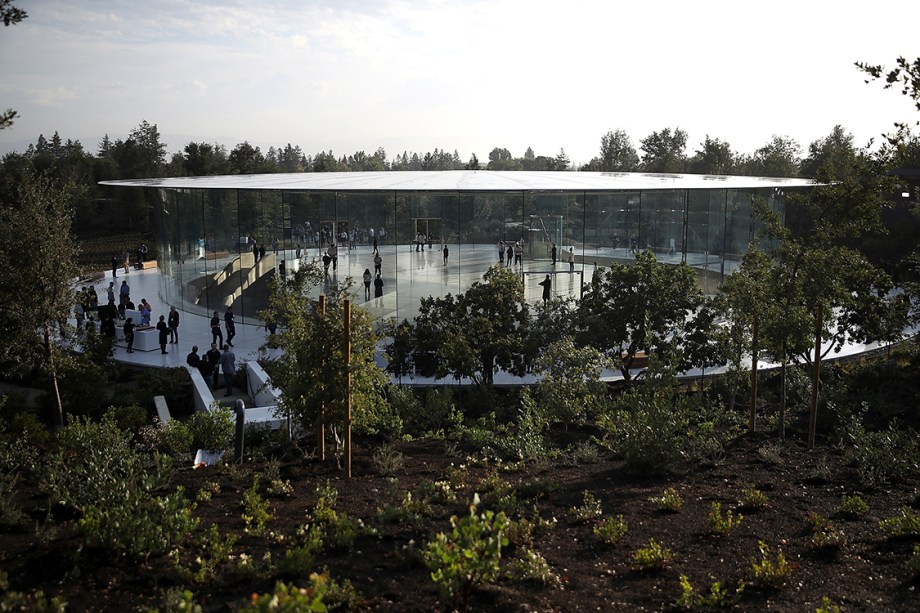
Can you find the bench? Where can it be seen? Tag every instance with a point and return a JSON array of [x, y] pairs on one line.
[[148, 264], [162, 410]]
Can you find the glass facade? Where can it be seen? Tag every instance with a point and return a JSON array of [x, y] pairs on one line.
[[435, 242]]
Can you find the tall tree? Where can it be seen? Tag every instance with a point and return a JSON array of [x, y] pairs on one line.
[[830, 156], [474, 333], [310, 369], [778, 158], [501, 159], [37, 251], [715, 158], [618, 153], [664, 151], [643, 307]]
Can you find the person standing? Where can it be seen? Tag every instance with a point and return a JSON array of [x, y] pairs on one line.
[[124, 293], [114, 267], [230, 325], [145, 313], [326, 261], [518, 254], [367, 283], [110, 293], [128, 329], [571, 259], [173, 323], [378, 288], [227, 363], [193, 359], [377, 262], [553, 253], [509, 254], [125, 260], [215, 330], [376, 244], [446, 253], [164, 333], [547, 284], [333, 252], [501, 252], [213, 360]]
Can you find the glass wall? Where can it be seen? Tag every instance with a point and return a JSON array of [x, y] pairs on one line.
[[220, 247]]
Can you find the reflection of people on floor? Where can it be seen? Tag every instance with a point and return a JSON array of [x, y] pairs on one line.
[[378, 289], [547, 284]]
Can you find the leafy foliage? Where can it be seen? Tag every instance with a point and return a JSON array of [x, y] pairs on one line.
[[469, 555]]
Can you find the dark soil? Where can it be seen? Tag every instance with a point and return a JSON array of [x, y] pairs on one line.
[[867, 573]]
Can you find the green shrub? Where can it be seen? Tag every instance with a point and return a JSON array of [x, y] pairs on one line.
[[130, 418], [611, 530], [652, 557], [290, 598], [718, 597], [882, 455], [256, 510], [769, 571], [531, 567], [590, 508], [136, 524], [214, 429], [827, 606], [649, 425], [852, 506], [907, 524], [723, 524], [299, 559], [342, 595], [469, 555], [388, 460], [670, 501], [753, 499], [11, 600], [91, 464]]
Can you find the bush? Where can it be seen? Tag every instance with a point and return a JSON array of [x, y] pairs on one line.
[[907, 524], [670, 501], [530, 566], [611, 530], [469, 555], [130, 418], [92, 464], [767, 571], [290, 598], [137, 524], [723, 524], [882, 455], [652, 557], [590, 508], [213, 430], [717, 598], [852, 506]]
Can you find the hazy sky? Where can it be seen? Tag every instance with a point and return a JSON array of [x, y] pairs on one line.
[[470, 75]]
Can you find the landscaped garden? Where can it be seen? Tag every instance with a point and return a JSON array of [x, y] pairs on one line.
[[649, 496]]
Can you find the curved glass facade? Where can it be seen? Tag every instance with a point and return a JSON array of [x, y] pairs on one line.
[[206, 237]]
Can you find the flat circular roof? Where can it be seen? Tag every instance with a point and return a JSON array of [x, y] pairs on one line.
[[465, 181]]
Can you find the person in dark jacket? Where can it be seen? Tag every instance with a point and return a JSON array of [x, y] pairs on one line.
[[164, 333]]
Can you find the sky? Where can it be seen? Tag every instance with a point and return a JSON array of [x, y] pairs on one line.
[[470, 75]]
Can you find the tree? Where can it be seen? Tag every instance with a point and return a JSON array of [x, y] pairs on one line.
[[828, 293], [202, 159], [560, 162], [905, 72], [246, 159], [570, 389], [778, 158], [664, 151], [310, 369], [642, 307], [829, 156], [37, 251], [715, 158], [617, 153], [474, 333], [10, 15], [473, 164], [501, 159]]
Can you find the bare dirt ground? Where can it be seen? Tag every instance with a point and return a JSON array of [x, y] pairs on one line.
[[863, 570]]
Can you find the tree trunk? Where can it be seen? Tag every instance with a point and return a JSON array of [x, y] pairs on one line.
[[52, 377], [815, 378], [755, 351]]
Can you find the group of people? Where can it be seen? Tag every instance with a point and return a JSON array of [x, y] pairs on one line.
[[510, 252], [376, 279], [212, 363]]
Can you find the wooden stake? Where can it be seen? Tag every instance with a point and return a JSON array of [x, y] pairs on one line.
[[815, 377], [347, 357], [321, 417]]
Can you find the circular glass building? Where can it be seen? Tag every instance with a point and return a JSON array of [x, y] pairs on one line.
[[220, 238]]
